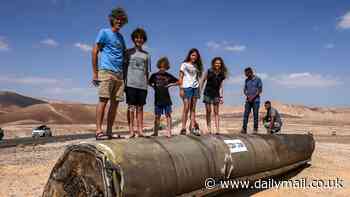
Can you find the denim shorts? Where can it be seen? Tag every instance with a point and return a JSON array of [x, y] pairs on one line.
[[191, 93], [162, 109]]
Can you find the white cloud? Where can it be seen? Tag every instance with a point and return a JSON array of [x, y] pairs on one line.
[[31, 80], [213, 45], [4, 46], [344, 22], [83, 47], [263, 76], [235, 48], [239, 79], [49, 42], [329, 46], [292, 80], [305, 80], [226, 46]]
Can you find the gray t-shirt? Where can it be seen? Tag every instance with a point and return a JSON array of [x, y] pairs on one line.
[[138, 62], [274, 113]]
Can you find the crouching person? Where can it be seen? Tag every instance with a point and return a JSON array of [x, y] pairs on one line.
[[272, 120]]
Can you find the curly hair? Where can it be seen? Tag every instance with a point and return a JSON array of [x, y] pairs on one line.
[[118, 13], [139, 32], [223, 69], [198, 62]]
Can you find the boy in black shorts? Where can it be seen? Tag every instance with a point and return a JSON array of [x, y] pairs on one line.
[[136, 72], [161, 81]]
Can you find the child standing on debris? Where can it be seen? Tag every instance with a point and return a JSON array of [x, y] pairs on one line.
[[161, 81], [213, 92], [136, 80], [190, 72]]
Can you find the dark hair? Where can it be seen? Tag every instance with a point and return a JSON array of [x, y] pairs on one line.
[[165, 61], [116, 13], [268, 102], [248, 69], [198, 62], [223, 66], [139, 32]]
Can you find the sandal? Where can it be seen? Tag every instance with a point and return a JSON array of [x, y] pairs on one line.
[[154, 135], [141, 135], [132, 136], [195, 132], [101, 136], [183, 132], [114, 136]]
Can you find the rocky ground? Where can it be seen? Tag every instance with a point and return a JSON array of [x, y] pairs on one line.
[[25, 170]]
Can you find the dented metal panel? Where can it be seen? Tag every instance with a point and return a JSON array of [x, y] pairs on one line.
[[170, 167]]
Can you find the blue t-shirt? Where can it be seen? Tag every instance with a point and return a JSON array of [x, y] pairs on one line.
[[252, 86], [112, 52]]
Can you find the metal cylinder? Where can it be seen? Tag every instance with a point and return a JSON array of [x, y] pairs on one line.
[[172, 166]]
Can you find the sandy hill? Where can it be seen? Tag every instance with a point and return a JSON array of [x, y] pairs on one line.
[[56, 113], [16, 108], [297, 111], [11, 101]]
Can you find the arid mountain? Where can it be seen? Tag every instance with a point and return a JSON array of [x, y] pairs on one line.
[[11, 101], [16, 108], [296, 111]]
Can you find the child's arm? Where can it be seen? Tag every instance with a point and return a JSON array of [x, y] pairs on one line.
[[203, 80], [181, 76], [151, 81], [173, 81], [222, 92]]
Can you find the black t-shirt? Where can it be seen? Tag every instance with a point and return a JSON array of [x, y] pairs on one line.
[[212, 88], [159, 81]]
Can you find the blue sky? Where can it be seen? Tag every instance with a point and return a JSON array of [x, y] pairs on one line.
[[299, 48]]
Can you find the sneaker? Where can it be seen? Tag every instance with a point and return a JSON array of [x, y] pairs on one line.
[[183, 132], [195, 132]]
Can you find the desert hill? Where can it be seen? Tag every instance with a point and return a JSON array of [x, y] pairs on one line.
[[11, 101], [16, 108], [19, 109]]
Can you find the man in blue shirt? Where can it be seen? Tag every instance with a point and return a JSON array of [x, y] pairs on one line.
[[108, 71], [252, 90]]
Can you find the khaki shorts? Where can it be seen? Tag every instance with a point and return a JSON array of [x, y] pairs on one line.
[[111, 85]]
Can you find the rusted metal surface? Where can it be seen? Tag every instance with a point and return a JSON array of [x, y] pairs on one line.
[[170, 167]]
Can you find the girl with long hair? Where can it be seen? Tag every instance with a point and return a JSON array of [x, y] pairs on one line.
[[213, 92], [190, 72]]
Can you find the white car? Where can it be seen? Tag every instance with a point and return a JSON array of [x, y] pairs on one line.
[[41, 131]]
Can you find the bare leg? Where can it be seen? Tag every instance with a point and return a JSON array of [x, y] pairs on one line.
[[156, 125], [185, 113], [208, 116], [139, 113], [217, 117], [130, 114], [193, 111], [168, 119], [112, 111], [100, 111]]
